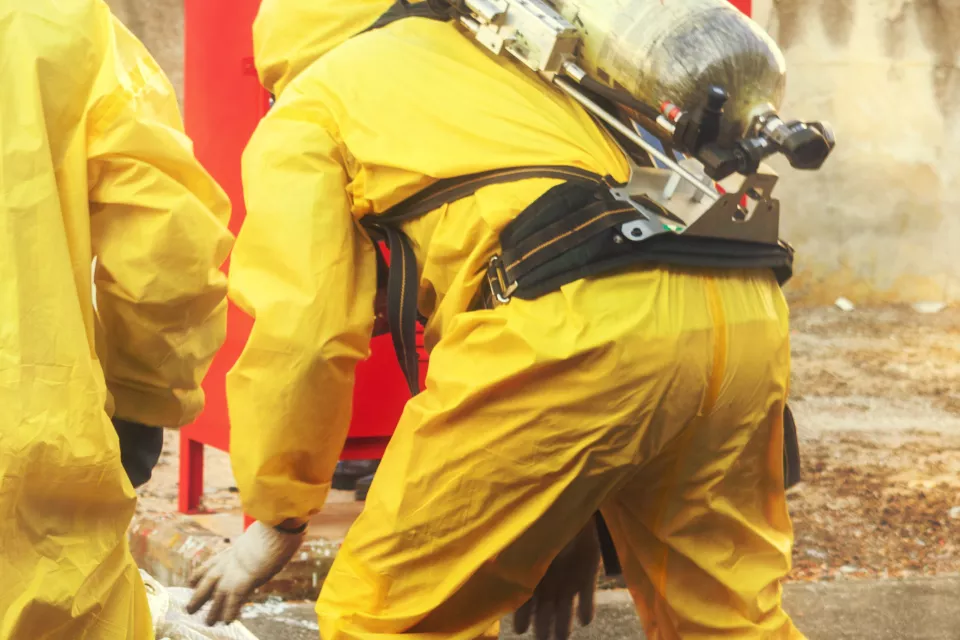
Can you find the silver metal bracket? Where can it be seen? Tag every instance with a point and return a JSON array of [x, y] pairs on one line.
[[530, 30], [649, 224], [727, 219]]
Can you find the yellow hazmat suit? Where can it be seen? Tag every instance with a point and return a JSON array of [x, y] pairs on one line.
[[93, 163], [656, 395]]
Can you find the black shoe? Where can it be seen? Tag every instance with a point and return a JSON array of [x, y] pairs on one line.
[[349, 471], [363, 487]]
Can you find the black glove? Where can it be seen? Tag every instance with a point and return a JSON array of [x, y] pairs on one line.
[[140, 448], [570, 582], [791, 450]]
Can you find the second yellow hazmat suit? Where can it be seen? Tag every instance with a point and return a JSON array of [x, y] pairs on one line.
[[93, 163], [656, 395]]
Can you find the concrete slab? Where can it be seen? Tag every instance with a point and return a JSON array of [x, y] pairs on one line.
[[917, 609], [296, 621], [913, 609]]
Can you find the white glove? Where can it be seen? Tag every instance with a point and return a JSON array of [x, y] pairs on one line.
[[231, 576]]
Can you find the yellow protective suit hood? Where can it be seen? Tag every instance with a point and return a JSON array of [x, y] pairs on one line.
[[289, 35]]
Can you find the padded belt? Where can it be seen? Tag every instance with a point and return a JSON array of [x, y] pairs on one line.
[[574, 231]]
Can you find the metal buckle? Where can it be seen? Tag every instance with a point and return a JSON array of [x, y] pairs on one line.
[[497, 278]]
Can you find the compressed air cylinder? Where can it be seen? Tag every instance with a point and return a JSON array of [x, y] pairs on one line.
[[673, 50]]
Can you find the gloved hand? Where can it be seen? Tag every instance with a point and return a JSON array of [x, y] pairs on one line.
[[231, 576], [572, 576], [140, 449]]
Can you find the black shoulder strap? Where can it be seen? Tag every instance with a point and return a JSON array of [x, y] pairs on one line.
[[402, 287], [402, 277], [403, 9], [453, 189]]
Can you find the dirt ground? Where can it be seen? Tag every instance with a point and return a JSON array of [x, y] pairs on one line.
[[877, 398], [877, 395]]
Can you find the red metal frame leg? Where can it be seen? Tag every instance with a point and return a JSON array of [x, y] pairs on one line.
[[191, 474]]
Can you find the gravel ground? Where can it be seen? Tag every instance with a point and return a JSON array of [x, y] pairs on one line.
[[877, 397]]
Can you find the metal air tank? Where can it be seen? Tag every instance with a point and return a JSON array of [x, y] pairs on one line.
[[674, 50]]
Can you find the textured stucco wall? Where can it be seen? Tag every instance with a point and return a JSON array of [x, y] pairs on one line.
[[159, 24], [881, 221]]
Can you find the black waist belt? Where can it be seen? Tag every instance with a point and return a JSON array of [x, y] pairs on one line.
[[574, 231]]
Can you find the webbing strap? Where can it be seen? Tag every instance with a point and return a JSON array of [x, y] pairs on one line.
[[402, 281], [402, 287], [453, 189], [403, 9]]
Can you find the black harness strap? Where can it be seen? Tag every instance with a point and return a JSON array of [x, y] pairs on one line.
[[402, 286], [453, 189], [571, 232], [403, 9]]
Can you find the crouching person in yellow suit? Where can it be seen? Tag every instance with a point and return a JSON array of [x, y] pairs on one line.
[[93, 164], [654, 394]]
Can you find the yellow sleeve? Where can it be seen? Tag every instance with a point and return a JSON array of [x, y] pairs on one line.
[[307, 274], [159, 234]]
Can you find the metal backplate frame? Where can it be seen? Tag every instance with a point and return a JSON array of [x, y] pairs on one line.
[[724, 218]]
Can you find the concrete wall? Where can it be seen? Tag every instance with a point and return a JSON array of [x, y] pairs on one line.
[[159, 24], [881, 221]]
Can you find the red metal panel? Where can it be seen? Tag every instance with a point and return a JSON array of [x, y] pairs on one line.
[[223, 102]]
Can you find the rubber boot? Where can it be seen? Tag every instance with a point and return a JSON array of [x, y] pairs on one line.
[[349, 471], [363, 487]]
